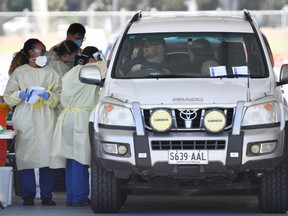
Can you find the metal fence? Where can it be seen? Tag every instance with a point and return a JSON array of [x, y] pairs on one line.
[[111, 22]]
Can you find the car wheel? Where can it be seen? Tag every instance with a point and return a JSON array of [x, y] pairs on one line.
[[273, 191], [106, 192]]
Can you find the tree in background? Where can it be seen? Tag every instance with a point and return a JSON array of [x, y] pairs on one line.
[[18, 5], [161, 5], [57, 5], [207, 4], [132, 5], [229, 5], [258, 4]]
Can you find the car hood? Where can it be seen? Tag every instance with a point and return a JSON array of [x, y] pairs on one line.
[[175, 91]]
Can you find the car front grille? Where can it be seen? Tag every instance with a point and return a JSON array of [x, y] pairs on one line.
[[197, 124], [188, 144]]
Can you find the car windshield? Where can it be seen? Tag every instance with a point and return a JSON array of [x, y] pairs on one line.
[[191, 55]]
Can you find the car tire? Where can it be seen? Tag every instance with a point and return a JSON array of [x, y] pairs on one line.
[[273, 191], [106, 192]]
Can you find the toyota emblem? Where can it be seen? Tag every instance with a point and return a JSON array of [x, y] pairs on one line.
[[187, 115]]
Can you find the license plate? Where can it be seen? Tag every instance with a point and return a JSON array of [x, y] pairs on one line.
[[187, 157]]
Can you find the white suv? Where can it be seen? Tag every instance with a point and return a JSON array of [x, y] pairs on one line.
[[211, 114]]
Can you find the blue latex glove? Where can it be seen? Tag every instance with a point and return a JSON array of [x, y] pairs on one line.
[[44, 95], [23, 95]]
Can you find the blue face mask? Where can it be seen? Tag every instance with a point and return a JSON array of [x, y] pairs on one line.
[[78, 42], [71, 61]]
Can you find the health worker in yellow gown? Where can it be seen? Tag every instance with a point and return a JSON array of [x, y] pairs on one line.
[[34, 90], [71, 147]]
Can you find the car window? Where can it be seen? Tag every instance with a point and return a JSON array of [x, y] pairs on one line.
[[191, 55]]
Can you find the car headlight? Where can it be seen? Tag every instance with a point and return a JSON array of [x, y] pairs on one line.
[[111, 114], [267, 113]]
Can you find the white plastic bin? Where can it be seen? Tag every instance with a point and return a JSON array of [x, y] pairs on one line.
[[10, 189], [6, 181]]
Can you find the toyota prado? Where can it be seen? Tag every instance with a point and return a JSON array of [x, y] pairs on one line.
[[211, 115]]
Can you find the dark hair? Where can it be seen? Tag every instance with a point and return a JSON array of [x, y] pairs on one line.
[[155, 40], [30, 44], [75, 28], [66, 46], [86, 54], [22, 57]]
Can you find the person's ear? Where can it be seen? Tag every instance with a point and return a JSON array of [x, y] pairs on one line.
[[69, 37]]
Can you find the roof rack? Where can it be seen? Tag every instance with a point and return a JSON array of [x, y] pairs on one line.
[[136, 16], [247, 15], [253, 24]]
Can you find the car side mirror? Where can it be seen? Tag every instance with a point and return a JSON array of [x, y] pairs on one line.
[[90, 74], [283, 75]]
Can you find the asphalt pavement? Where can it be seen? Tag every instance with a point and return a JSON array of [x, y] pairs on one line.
[[60, 209], [151, 203]]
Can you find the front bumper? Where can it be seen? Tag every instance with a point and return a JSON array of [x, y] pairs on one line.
[[221, 161]]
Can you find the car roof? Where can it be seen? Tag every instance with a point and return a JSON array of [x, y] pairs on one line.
[[190, 23]]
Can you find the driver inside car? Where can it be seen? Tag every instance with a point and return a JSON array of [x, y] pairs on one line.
[[153, 58]]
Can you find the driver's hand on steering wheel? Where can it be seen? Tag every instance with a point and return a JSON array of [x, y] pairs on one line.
[[136, 67]]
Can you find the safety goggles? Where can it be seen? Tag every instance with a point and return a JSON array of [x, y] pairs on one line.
[[41, 52]]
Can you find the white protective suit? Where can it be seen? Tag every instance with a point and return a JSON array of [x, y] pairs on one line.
[[34, 123], [71, 137]]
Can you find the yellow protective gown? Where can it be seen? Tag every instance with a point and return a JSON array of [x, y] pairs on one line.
[[71, 137], [51, 55], [34, 123], [60, 67]]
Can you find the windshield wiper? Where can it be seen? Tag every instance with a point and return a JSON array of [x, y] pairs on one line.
[[232, 76]]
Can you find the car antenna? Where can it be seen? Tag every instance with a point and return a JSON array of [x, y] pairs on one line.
[[248, 17]]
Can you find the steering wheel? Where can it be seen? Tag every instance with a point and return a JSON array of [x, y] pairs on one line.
[[147, 71]]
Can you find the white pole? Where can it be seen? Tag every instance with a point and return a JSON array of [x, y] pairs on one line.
[[41, 17]]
